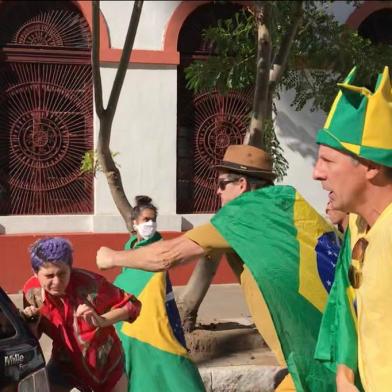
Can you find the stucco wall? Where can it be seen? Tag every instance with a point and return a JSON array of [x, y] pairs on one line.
[[152, 24], [297, 132], [144, 135]]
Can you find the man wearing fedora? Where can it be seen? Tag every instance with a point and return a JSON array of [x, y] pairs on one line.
[[244, 168], [245, 186]]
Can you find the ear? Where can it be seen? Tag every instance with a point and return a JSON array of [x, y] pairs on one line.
[[243, 184], [372, 170]]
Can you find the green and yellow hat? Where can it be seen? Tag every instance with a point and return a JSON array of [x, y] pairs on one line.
[[360, 122]]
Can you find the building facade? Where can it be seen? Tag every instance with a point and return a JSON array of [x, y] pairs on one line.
[[166, 137]]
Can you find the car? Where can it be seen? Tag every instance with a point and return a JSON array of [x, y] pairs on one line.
[[22, 363]]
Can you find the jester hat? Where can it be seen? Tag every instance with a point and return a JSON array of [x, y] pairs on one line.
[[360, 121]]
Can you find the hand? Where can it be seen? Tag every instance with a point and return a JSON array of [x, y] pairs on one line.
[[345, 379], [31, 314], [346, 387], [105, 258], [90, 315]]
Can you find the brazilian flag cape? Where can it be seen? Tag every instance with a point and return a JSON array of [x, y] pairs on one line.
[[156, 359], [278, 235], [337, 342]]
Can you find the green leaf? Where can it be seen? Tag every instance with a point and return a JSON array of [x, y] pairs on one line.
[[90, 162]]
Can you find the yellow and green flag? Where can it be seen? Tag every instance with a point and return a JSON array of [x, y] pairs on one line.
[[337, 342], [154, 345], [290, 251]]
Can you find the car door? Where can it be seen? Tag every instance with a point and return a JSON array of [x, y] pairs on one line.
[[22, 364]]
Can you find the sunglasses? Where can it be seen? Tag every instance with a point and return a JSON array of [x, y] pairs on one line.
[[223, 182], [358, 256]]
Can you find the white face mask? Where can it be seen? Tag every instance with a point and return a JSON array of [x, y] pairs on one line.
[[146, 229]]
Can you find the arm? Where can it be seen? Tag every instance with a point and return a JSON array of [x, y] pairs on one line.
[[158, 256], [106, 319], [345, 379]]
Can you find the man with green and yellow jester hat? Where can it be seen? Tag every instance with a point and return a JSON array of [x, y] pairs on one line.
[[355, 166]]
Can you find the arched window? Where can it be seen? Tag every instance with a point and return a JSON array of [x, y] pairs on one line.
[[46, 108], [206, 123], [377, 27]]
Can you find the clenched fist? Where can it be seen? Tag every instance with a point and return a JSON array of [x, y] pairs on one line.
[[31, 314], [90, 315], [105, 258]]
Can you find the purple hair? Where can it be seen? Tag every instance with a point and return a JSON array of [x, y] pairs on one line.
[[50, 250]]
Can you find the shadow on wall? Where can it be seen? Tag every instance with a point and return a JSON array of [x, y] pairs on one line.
[[2, 229], [296, 137]]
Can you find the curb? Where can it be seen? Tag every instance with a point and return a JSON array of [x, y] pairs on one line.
[[244, 378]]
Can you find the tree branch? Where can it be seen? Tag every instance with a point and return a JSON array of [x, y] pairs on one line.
[[106, 116], [96, 62], [125, 56], [254, 135], [280, 62]]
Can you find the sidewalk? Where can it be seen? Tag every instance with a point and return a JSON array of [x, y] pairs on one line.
[[228, 350]]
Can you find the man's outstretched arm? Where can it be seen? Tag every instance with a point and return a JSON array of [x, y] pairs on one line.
[[158, 256]]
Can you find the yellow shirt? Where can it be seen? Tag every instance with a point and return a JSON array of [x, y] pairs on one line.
[[374, 303], [212, 241]]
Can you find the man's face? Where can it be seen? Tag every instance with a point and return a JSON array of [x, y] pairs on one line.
[[54, 278], [342, 177], [229, 189]]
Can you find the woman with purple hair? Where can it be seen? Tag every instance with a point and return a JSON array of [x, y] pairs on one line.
[[77, 309]]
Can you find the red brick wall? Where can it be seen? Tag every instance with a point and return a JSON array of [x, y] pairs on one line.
[[15, 266]]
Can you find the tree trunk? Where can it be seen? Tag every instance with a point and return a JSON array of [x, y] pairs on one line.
[[106, 116], [196, 289], [267, 78], [255, 134]]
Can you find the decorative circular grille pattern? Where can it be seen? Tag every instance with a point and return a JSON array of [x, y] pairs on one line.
[[206, 123], [219, 122], [38, 34], [31, 24], [45, 129]]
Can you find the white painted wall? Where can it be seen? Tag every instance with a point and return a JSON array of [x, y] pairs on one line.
[[144, 134], [297, 134], [152, 25], [341, 10]]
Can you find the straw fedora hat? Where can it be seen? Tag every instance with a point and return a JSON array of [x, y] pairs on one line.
[[248, 160]]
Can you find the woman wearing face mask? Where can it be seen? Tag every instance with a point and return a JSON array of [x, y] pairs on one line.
[[155, 352]]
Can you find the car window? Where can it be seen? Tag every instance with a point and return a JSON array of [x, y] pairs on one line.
[[6, 328]]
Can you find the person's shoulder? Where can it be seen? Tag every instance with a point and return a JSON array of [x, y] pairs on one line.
[[86, 284], [80, 275], [31, 283], [208, 237]]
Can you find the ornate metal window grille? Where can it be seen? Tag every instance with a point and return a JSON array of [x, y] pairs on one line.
[[46, 117], [206, 123], [43, 23], [219, 122]]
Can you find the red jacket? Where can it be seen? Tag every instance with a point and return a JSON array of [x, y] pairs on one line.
[[92, 355]]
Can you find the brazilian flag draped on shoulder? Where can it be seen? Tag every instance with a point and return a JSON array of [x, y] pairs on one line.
[[280, 237], [337, 342], [154, 345]]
